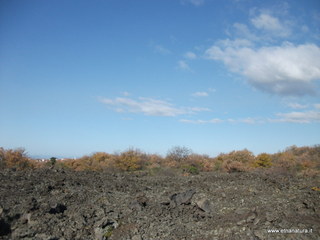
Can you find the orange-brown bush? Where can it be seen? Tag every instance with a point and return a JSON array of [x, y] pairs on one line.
[[285, 161], [235, 161], [16, 159], [130, 160], [154, 161], [96, 162], [234, 166]]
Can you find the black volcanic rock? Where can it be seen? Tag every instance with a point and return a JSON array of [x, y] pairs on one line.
[[53, 204]]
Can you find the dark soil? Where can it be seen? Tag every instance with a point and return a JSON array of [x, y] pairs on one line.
[[60, 204]]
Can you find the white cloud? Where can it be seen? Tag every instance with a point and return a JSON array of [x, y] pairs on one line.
[[125, 93], [248, 120], [218, 120], [190, 55], [243, 31], [297, 105], [214, 120], [149, 106], [265, 21], [198, 109], [284, 70], [270, 24], [184, 66], [200, 94], [317, 105], [298, 117], [291, 117], [237, 43], [162, 50]]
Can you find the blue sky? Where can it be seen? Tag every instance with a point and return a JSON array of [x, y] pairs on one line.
[[82, 76]]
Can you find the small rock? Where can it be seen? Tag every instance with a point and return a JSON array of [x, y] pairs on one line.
[[135, 205], [271, 217], [241, 211], [241, 222], [204, 205], [26, 218], [105, 228], [256, 221], [284, 224], [259, 234], [139, 203], [251, 217], [57, 208], [142, 199], [182, 198]]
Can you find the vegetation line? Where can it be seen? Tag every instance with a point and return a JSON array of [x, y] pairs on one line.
[[304, 161]]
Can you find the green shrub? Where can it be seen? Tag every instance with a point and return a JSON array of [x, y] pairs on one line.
[[193, 170], [263, 160]]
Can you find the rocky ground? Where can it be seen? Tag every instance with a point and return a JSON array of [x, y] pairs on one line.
[[60, 204]]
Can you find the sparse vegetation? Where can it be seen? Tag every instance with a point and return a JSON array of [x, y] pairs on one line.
[[304, 161]]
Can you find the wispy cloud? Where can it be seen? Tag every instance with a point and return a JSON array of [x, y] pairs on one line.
[[242, 31], [297, 105], [149, 106], [198, 121], [317, 105], [271, 25], [190, 55], [218, 120], [183, 65], [298, 117], [290, 117], [200, 94], [161, 49], [125, 93]]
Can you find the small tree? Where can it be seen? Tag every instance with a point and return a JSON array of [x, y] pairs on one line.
[[263, 160], [179, 154], [53, 161]]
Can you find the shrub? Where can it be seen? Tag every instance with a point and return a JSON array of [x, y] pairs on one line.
[[217, 163], [201, 162], [130, 160], [189, 169], [234, 166], [16, 159], [263, 160], [285, 160], [235, 161]]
